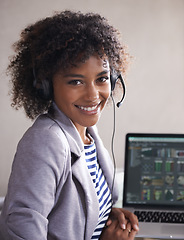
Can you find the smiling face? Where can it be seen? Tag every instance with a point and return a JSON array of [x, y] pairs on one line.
[[81, 92]]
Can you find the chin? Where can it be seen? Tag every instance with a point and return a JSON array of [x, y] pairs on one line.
[[92, 123]]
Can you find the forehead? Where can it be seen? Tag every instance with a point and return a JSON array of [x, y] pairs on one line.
[[93, 60], [92, 63]]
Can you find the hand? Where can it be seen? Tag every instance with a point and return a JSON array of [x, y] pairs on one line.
[[115, 232], [123, 217]]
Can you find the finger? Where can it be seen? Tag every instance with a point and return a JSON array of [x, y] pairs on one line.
[[132, 234], [108, 230], [133, 219], [129, 233], [113, 225], [117, 213], [115, 232], [129, 227], [122, 219], [108, 223], [125, 233]]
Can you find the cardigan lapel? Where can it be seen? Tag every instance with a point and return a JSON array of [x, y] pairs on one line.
[[68, 128], [81, 173], [79, 168], [105, 163]]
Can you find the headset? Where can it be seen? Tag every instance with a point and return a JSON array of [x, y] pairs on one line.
[[114, 78], [45, 89]]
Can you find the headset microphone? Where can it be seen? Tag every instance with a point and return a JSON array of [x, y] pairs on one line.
[[123, 86], [114, 78]]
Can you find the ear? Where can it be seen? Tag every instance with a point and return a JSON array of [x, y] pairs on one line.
[[113, 79]]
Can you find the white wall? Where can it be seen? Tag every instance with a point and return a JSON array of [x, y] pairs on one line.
[[154, 32]]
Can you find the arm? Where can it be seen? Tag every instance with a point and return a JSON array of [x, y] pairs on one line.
[[37, 168]]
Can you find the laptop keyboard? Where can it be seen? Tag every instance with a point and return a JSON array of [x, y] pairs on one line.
[[158, 216]]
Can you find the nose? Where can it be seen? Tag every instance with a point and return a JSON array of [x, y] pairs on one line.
[[92, 92]]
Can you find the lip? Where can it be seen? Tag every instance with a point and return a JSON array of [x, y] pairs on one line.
[[90, 108]]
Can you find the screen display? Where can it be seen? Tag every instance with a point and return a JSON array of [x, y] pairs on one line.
[[154, 170]]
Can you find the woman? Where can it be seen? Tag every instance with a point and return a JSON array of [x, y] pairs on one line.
[[61, 185]]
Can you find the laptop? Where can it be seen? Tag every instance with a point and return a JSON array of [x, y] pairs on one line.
[[154, 183]]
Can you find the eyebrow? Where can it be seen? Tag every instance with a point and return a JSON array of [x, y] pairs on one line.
[[74, 75], [82, 76], [102, 73]]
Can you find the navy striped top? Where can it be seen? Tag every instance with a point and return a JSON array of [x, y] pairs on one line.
[[101, 187]]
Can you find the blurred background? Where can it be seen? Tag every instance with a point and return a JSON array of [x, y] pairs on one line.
[[154, 33]]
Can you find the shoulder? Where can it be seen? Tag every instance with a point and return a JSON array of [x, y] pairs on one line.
[[44, 138], [44, 130], [44, 147]]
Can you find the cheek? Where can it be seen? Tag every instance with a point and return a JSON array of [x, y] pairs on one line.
[[107, 92], [62, 94]]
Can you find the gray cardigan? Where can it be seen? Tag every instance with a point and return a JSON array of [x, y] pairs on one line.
[[50, 192]]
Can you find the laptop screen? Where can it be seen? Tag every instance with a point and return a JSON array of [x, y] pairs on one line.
[[154, 170]]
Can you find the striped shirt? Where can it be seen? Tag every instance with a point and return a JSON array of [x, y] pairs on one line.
[[101, 187]]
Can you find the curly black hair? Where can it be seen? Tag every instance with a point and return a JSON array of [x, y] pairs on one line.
[[54, 43]]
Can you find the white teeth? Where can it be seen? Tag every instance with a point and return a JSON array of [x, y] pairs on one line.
[[88, 108]]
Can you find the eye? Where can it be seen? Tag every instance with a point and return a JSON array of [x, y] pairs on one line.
[[75, 82], [103, 79]]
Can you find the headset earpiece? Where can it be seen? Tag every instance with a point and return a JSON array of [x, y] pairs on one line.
[[113, 78], [44, 88]]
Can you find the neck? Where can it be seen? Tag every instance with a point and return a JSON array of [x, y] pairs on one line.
[[85, 138], [83, 134]]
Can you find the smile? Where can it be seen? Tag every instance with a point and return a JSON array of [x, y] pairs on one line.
[[89, 109]]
